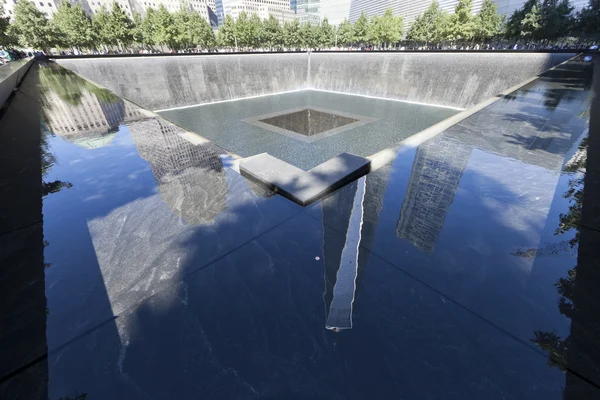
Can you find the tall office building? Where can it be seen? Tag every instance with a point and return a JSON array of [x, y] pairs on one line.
[[335, 10], [309, 11], [219, 11], [280, 9], [48, 7]]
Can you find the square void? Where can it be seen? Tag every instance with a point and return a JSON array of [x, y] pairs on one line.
[[344, 124], [309, 124]]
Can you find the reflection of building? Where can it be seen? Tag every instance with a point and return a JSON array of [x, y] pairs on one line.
[[191, 178], [354, 210], [436, 171], [90, 122]]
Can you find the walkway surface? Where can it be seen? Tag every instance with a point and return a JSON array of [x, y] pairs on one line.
[[144, 267]]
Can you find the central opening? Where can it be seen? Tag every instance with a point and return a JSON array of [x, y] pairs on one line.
[[308, 127], [309, 122]]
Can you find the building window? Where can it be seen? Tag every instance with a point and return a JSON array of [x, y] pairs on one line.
[[49, 4], [41, 4]]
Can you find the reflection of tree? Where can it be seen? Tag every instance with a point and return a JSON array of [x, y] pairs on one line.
[[551, 342], [558, 84], [572, 218], [69, 87], [48, 160]]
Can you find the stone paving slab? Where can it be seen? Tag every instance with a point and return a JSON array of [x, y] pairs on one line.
[[304, 187]]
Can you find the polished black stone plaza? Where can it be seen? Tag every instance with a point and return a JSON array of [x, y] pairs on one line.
[[138, 263]]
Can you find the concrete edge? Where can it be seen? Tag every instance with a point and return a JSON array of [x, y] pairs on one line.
[[351, 177], [386, 156], [12, 81], [297, 174], [224, 53]]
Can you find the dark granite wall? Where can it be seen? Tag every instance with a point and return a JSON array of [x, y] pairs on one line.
[[450, 79], [166, 82]]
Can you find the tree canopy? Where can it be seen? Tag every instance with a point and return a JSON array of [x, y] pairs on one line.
[[31, 26], [589, 20], [345, 33], [429, 27], [488, 23], [6, 33], [113, 28], [462, 24], [361, 29], [226, 36], [73, 25]]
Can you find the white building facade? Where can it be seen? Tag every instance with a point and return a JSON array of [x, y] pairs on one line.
[[206, 8], [280, 9]]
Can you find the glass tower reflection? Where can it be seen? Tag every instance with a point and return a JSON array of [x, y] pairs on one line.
[[436, 172]]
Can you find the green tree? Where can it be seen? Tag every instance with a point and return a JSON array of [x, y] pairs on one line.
[[73, 25], [461, 25], [272, 33], [429, 27], [309, 35], [531, 25], [113, 28], [374, 30], [515, 22], [291, 34], [6, 35], [207, 37], [361, 29], [243, 30], [166, 31], [137, 32], [391, 28], [192, 30], [326, 35], [101, 25], [589, 20], [226, 36], [255, 34], [556, 19], [183, 39], [121, 26], [31, 27], [488, 23], [345, 33]]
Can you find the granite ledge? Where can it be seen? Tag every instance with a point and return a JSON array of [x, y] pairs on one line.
[[304, 187]]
